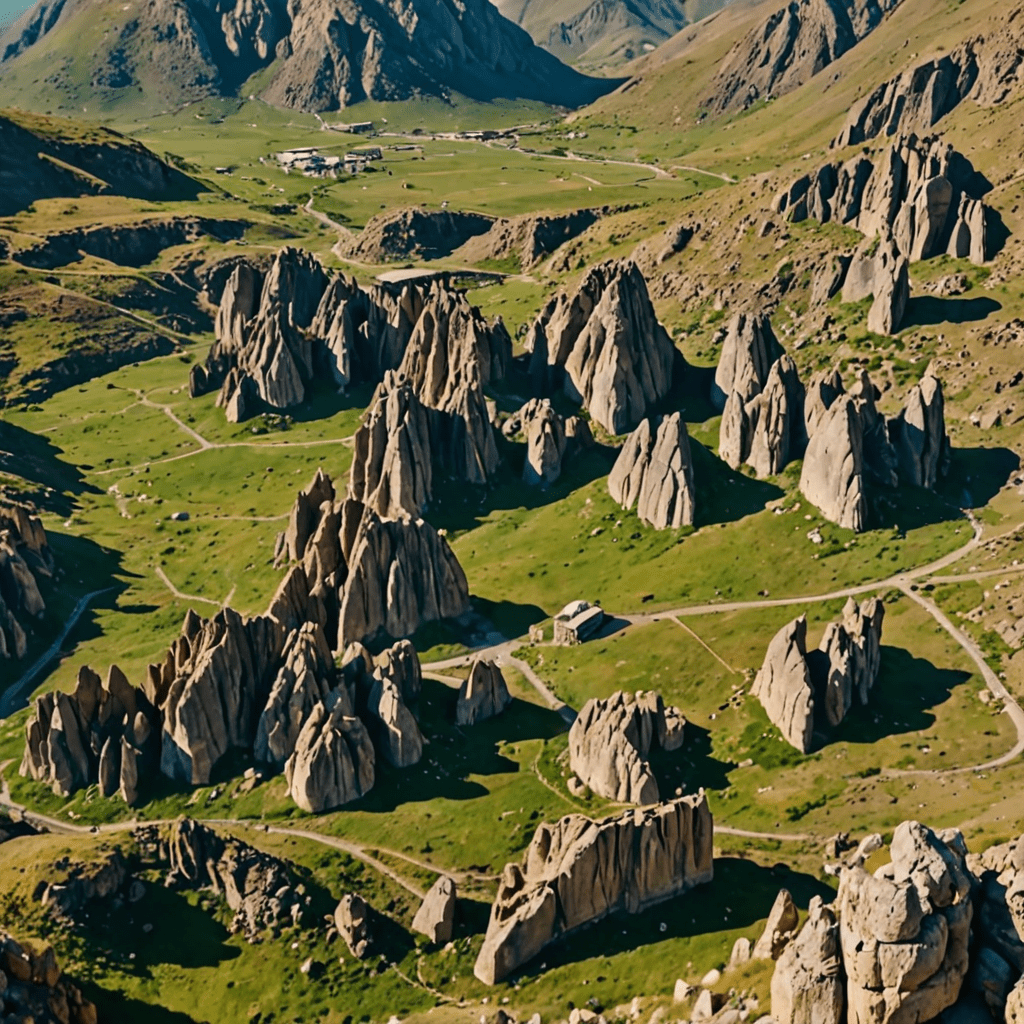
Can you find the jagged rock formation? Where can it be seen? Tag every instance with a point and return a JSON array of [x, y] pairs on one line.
[[398, 735], [392, 459], [905, 929], [413, 233], [353, 917], [768, 430], [783, 685], [832, 477], [578, 871], [984, 68], [483, 695], [922, 192], [529, 238], [333, 762], [305, 61], [259, 888], [452, 354], [749, 349], [794, 44], [823, 389], [71, 896], [611, 739], [606, 345], [654, 471], [805, 691], [25, 559], [436, 916], [545, 441], [807, 985], [212, 688], [778, 929], [96, 734], [918, 434], [33, 987], [303, 681]]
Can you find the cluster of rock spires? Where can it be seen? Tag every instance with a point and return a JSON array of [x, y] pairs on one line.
[[25, 558], [578, 871], [896, 945], [34, 989], [278, 331], [794, 44], [654, 472], [611, 740], [919, 196], [603, 344], [852, 444], [804, 692], [550, 437], [104, 733]]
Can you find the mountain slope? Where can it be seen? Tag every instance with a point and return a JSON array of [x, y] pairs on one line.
[[46, 157], [321, 56]]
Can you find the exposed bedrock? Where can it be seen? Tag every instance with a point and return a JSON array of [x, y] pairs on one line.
[[483, 695], [749, 349]]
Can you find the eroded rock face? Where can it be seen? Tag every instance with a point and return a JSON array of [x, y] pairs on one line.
[[259, 888], [749, 350], [807, 985], [530, 237], [392, 460], [905, 930], [92, 735], [767, 431], [353, 917], [36, 989], [333, 762], [832, 477], [483, 695], [399, 739], [611, 739], [25, 560], [654, 472], [919, 435], [546, 442], [783, 685], [782, 922], [613, 355], [414, 233], [436, 916], [578, 871]]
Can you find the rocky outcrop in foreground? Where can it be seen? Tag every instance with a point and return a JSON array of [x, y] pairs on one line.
[[654, 472], [611, 739], [921, 192], [853, 445], [604, 344], [257, 887], [795, 43], [483, 695], [803, 692], [25, 559], [578, 871], [33, 987], [436, 916], [103, 733]]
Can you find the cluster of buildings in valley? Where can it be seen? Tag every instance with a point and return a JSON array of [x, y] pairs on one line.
[[309, 161]]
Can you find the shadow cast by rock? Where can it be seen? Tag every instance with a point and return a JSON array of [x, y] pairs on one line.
[[928, 311], [976, 475]]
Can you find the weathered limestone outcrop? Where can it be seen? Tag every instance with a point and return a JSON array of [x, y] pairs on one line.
[[414, 232], [530, 237], [397, 733], [793, 44], [782, 921], [259, 888], [905, 930], [304, 679], [783, 685], [436, 916], [392, 460], [611, 739], [34, 988], [605, 344], [654, 471], [803, 692], [220, 672], [333, 762], [823, 389], [546, 442], [807, 986], [483, 695], [918, 434], [25, 559], [93, 735], [922, 192], [832, 477], [749, 350], [768, 430], [578, 871], [353, 917]]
